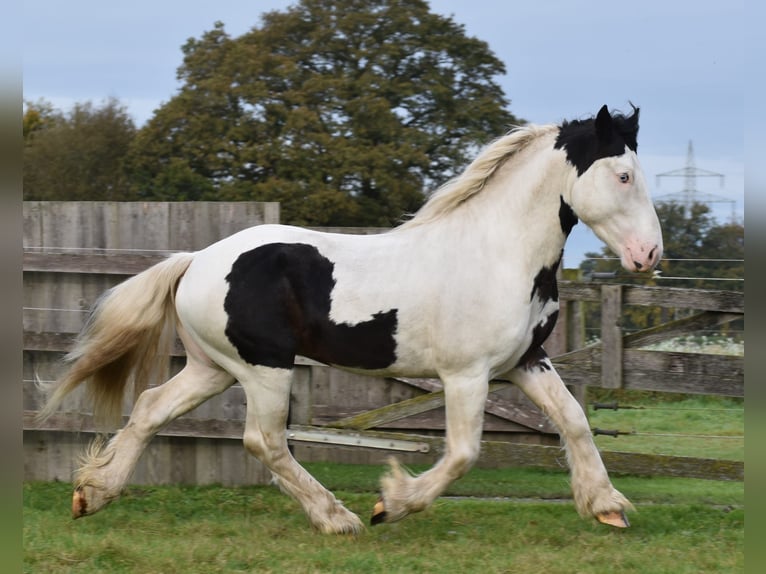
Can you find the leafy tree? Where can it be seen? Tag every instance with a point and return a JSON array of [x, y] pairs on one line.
[[345, 112], [76, 156], [37, 117]]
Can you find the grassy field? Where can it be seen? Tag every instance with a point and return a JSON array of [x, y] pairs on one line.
[[689, 426], [524, 522], [508, 520]]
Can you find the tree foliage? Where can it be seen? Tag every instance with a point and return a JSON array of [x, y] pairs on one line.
[[345, 112], [79, 155]]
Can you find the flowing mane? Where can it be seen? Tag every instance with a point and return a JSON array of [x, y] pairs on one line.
[[457, 190]]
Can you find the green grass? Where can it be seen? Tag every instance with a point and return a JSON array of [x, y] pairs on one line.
[[524, 483], [688, 424], [491, 520], [172, 529]]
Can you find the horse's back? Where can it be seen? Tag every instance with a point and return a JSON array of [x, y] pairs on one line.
[[272, 291]]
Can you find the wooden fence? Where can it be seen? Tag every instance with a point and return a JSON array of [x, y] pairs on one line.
[[74, 251]]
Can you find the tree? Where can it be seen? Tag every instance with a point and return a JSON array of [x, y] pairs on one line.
[[76, 156], [37, 117], [345, 112]]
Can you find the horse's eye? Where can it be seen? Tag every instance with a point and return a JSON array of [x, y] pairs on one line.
[[624, 177]]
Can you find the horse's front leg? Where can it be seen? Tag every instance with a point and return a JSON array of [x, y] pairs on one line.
[[402, 493], [593, 492]]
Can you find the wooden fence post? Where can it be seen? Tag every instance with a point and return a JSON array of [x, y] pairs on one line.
[[300, 396], [611, 336], [573, 318]]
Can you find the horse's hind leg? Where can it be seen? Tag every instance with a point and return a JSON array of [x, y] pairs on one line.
[[268, 400], [593, 491], [107, 467]]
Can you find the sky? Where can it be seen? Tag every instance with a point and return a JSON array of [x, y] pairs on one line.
[[681, 61]]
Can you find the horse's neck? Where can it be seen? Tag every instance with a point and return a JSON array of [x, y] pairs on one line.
[[519, 208]]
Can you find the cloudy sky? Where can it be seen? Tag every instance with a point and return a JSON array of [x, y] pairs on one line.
[[681, 61]]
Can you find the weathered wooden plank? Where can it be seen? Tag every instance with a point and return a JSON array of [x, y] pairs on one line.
[[426, 384], [183, 426], [402, 409], [532, 418], [656, 334], [100, 263], [682, 383], [54, 455], [301, 403], [63, 342], [684, 373], [48, 341], [680, 297], [611, 336], [665, 331], [642, 464], [722, 366], [689, 373], [577, 291], [390, 413], [140, 225], [700, 299], [501, 454], [432, 420]]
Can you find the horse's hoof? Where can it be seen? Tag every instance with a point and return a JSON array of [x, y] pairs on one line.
[[617, 519], [79, 504], [378, 513]]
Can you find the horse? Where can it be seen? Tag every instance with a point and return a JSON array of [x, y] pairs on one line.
[[464, 290]]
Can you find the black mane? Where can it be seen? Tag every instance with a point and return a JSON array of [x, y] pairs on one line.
[[603, 135]]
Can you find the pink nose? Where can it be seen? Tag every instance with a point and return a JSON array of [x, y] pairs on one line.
[[650, 261]]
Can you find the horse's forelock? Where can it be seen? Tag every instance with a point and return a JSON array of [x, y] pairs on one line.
[[583, 146], [627, 127]]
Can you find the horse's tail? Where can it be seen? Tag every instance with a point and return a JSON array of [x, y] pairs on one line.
[[127, 338]]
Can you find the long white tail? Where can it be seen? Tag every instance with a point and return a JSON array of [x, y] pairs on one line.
[[127, 338]]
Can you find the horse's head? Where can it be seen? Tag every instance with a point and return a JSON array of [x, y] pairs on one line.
[[609, 193]]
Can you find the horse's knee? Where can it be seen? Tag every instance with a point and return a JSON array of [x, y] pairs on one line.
[[575, 427], [462, 459], [266, 447], [253, 442]]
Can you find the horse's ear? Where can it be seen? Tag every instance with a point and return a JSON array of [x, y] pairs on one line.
[[604, 124]]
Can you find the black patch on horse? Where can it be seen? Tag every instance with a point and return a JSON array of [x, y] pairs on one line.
[[606, 135], [567, 217], [545, 287], [278, 305], [535, 355]]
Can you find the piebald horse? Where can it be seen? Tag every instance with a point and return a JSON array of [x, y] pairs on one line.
[[465, 290]]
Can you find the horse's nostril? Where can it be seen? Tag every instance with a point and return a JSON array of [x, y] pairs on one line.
[[638, 265], [652, 253]]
